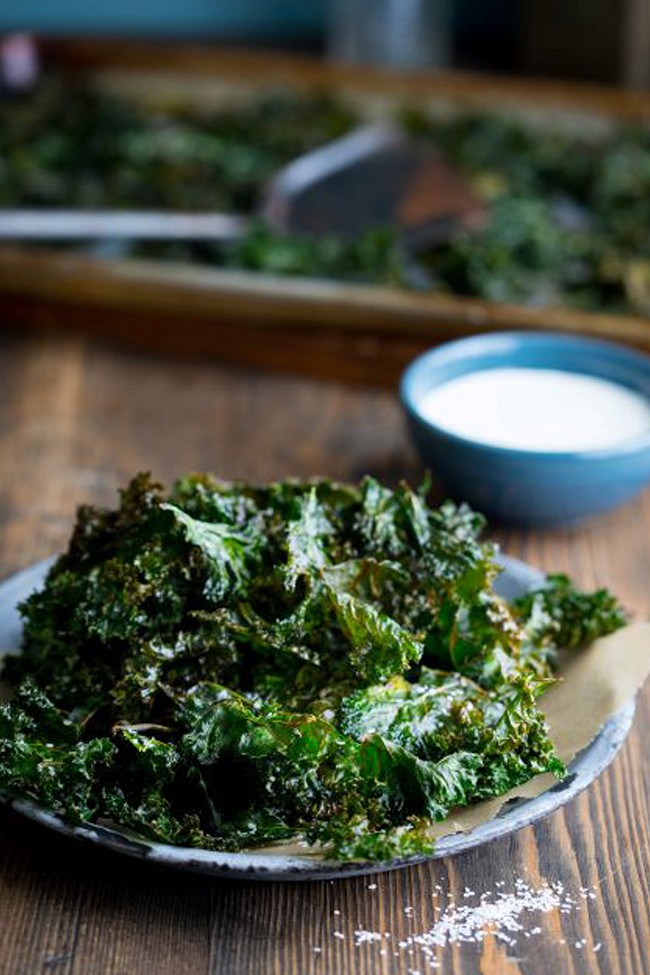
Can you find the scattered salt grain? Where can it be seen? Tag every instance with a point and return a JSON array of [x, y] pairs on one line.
[[363, 937], [505, 915]]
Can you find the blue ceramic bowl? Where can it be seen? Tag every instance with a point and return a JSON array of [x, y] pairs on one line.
[[525, 486]]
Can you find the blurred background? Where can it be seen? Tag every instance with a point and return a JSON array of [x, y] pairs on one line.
[[596, 40]]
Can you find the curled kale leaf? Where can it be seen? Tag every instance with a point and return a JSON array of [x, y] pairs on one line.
[[558, 615]]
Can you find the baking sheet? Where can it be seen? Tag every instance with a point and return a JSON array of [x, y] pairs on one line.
[[355, 332]]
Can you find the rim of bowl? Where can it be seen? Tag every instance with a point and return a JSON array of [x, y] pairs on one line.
[[519, 339]]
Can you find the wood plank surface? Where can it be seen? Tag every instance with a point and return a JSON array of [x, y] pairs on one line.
[[77, 418]]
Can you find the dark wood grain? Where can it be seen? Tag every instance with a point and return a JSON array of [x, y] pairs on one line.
[[76, 419]]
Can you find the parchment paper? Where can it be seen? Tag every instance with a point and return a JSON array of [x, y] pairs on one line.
[[594, 684]]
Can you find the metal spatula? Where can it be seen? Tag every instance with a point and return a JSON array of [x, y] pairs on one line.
[[375, 176]]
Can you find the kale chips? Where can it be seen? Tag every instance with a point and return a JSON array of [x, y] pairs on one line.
[[229, 666]]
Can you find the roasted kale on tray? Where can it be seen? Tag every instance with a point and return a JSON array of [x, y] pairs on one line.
[[568, 210], [229, 666]]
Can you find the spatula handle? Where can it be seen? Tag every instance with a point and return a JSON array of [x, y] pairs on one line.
[[46, 224]]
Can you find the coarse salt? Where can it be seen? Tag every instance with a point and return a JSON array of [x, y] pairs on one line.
[[503, 915]]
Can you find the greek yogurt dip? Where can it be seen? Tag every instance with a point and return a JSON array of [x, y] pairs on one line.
[[538, 409]]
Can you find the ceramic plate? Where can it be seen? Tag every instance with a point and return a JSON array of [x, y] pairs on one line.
[[514, 581]]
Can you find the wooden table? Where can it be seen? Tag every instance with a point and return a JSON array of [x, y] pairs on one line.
[[77, 419]]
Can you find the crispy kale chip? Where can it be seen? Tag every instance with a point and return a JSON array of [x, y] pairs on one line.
[[72, 144], [558, 615], [230, 665]]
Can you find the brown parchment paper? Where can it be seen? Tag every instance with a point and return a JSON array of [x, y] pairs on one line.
[[594, 683]]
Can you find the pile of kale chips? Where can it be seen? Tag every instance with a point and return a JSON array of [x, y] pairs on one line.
[[234, 665]]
